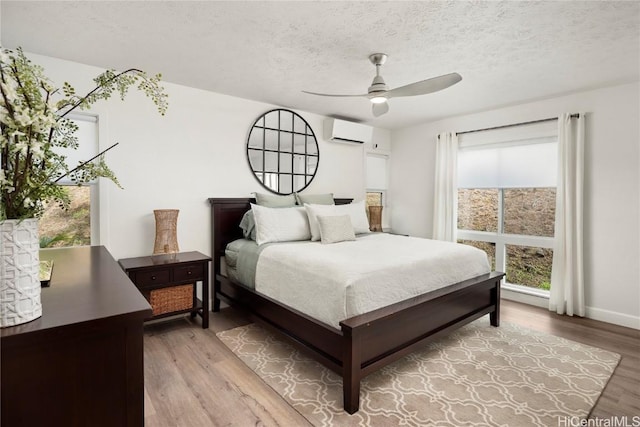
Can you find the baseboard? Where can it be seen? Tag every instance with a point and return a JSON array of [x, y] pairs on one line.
[[616, 318], [525, 298], [222, 304], [598, 314]]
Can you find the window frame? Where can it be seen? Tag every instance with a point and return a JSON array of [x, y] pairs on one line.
[[382, 191], [514, 136], [501, 240], [95, 189]]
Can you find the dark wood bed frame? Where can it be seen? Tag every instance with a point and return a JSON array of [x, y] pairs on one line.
[[367, 342]]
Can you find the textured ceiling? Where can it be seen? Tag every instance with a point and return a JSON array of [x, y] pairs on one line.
[[507, 52]]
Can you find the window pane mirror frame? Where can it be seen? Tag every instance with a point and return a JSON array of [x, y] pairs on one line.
[[279, 136]]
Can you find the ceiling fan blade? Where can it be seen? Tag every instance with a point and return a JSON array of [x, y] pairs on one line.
[[380, 109], [341, 96], [426, 86]]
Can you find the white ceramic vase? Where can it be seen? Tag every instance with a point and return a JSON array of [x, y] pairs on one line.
[[19, 272]]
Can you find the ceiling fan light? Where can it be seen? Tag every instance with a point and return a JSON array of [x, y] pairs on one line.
[[378, 99]]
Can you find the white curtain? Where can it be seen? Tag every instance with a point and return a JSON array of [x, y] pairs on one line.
[[567, 279], [445, 207]]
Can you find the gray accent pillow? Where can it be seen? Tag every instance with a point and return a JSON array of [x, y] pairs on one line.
[[334, 229], [275, 201], [355, 210], [248, 225], [315, 199]]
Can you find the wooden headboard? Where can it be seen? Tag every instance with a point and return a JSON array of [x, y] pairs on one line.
[[226, 214]]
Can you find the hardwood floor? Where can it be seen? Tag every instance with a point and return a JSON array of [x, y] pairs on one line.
[[192, 379]]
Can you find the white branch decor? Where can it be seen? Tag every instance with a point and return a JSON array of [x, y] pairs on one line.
[[33, 123]]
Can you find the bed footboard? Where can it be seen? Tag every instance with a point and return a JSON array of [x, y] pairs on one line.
[[394, 331]]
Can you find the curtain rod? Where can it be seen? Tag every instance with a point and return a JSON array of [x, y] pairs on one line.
[[573, 116]]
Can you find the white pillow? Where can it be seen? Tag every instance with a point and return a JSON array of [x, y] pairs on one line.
[[355, 210], [334, 229], [280, 224]]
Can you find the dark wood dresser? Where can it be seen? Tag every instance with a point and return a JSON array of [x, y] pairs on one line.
[[81, 363]]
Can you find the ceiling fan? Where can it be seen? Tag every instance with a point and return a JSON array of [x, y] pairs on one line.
[[379, 93]]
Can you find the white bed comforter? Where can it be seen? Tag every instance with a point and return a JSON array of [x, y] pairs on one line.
[[334, 282]]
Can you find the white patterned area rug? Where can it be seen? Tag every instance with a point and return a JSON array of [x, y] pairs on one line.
[[478, 375]]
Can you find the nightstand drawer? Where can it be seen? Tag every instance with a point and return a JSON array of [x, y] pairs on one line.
[[155, 277], [188, 272]]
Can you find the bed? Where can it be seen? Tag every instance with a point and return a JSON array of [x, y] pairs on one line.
[[366, 342]]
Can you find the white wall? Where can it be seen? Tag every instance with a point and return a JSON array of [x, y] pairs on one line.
[[612, 186], [196, 151]]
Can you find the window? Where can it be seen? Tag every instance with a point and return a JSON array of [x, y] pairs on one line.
[[73, 227], [506, 201], [374, 198]]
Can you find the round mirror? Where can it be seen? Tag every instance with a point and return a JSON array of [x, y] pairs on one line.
[[282, 151]]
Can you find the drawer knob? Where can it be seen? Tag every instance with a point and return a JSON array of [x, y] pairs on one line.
[[189, 273], [153, 277]]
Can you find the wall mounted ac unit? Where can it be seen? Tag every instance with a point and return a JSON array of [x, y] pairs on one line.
[[343, 131]]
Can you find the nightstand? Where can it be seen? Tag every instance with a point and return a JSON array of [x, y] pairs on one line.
[[168, 282]]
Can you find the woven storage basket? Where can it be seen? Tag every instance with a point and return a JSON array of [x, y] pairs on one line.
[[174, 298]]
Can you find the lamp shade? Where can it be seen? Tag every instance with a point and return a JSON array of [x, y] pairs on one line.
[[166, 231], [375, 218]]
